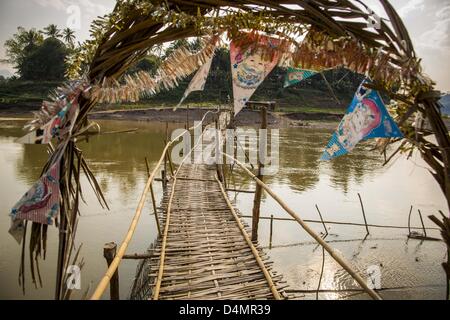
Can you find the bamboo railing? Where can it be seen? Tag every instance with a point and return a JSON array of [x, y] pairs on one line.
[[310, 231], [114, 265]]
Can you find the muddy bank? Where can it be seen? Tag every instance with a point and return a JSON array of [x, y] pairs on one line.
[[244, 118]]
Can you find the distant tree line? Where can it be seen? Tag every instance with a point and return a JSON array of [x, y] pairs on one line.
[[40, 54]]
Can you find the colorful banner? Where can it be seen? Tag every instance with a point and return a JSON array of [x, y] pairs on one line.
[[249, 69], [294, 76], [41, 203], [365, 118], [198, 81]]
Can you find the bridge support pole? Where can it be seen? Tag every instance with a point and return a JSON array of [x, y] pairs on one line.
[[109, 252], [258, 191]]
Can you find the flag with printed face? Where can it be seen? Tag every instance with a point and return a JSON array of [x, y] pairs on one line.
[[295, 75], [365, 118], [198, 81], [249, 67]]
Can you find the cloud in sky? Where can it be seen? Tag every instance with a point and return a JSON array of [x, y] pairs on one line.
[[438, 37], [411, 6]]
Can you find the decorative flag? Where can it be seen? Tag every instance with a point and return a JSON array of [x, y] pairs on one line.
[[198, 81], [294, 76], [60, 125], [41, 203], [249, 69], [365, 118]]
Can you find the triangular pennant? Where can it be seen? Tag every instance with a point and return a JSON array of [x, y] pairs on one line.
[[365, 118], [58, 127], [41, 203], [198, 81], [249, 69], [295, 75]]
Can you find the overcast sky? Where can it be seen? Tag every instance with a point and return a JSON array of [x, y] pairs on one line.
[[428, 22]]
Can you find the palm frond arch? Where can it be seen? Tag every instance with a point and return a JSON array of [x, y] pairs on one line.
[[336, 33], [333, 33]]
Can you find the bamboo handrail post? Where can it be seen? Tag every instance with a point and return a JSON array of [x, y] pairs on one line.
[[109, 252]]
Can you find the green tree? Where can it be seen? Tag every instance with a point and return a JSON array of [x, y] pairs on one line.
[[52, 31], [69, 37], [47, 62], [22, 43]]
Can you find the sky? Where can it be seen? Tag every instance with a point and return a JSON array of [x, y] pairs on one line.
[[428, 22]]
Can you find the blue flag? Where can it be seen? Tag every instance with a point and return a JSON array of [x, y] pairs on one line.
[[366, 118], [294, 76]]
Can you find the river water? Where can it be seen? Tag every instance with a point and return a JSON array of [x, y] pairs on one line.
[[407, 269]]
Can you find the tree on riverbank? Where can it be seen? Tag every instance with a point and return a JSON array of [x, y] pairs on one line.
[[36, 57]]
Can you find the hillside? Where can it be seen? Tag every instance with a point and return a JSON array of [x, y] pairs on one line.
[[311, 95]]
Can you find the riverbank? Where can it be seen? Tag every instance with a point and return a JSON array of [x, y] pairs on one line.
[[245, 118]]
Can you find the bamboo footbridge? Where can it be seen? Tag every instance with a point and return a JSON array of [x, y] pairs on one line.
[[203, 249]]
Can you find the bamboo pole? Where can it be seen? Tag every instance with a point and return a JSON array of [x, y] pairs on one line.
[[311, 232], [323, 223], [409, 221], [152, 193], [421, 221], [164, 242], [123, 247], [364, 214], [272, 287], [342, 223]]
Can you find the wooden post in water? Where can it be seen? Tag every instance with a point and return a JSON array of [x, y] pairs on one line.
[[109, 252], [258, 191]]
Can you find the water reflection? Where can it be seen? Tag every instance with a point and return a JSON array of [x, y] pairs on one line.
[[300, 168], [117, 160]]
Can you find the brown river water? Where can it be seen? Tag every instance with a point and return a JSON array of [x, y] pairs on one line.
[[409, 269]]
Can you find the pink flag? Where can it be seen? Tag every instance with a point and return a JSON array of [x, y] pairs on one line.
[[249, 69], [41, 203]]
